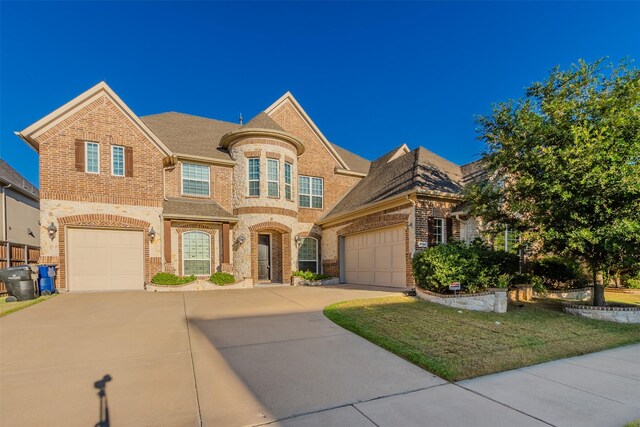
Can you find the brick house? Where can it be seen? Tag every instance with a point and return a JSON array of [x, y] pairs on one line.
[[131, 196]]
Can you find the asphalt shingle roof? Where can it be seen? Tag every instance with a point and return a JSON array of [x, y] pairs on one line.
[[18, 182], [191, 135], [202, 208], [419, 170]]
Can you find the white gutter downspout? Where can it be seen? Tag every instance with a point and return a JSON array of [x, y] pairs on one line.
[[5, 230]]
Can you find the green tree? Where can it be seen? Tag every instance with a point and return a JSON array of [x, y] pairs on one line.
[[564, 165]]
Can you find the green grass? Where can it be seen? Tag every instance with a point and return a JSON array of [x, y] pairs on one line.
[[622, 297], [457, 346], [7, 308], [635, 423]]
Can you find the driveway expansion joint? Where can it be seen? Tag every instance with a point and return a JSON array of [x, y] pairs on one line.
[[602, 371], [193, 367], [505, 405]]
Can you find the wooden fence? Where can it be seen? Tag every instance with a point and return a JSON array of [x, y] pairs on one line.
[[14, 254]]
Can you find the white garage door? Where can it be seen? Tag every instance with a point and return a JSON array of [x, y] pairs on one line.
[[376, 258], [105, 260]]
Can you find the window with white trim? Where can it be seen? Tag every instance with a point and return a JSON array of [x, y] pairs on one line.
[[273, 178], [438, 230], [196, 253], [92, 157], [308, 255], [195, 179], [288, 189], [117, 160], [254, 176], [310, 192]]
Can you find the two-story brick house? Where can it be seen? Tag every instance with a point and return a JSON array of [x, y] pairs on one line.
[[131, 196]]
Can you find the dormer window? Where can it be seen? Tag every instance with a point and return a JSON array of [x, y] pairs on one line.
[[195, 179]]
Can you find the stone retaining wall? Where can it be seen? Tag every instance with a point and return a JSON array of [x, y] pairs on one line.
[[494, 300], [198, 285], [299, 281], [628, 314], [583, 294]]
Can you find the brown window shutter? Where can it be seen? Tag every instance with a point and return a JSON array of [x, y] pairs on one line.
[[128, 161], [79, 155], [449, 230], [431, 237]]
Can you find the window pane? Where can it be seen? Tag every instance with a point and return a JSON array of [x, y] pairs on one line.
[[93, 164], [197, 253], [195, 179], [308, 250], [117, 160], [272, 170], [316, 186], [287, 173], [311, 266], [254, 169], [316, 202], [254, 188], [273, 189], [305, 201], [303, 185], [287, 192]]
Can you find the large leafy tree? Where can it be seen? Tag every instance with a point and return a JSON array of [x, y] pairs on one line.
[[564, 165]]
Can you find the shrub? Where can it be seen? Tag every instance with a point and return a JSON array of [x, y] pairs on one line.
[[169, 279], [558, 272], [475, 266], [222, 279], [307, 275]]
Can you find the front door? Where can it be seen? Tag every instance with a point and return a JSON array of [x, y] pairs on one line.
[[264, 257]]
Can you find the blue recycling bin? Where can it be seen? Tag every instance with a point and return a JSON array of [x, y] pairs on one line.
[[46, 277]]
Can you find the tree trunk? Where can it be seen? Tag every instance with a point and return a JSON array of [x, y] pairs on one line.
[[598, 290]]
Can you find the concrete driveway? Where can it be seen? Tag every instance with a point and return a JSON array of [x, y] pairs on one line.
[[267, 356]]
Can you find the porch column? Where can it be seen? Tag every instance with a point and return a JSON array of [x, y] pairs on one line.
[[226, 256], [166, 236]]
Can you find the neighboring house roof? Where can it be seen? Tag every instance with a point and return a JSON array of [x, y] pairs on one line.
[[197, 209], [191, 135], [473, 172], [419, 170], [9, 175]]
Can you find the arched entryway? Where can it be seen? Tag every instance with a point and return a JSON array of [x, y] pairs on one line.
[[270, 253]]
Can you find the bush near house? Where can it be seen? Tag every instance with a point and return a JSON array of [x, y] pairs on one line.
[[222, 279], [476, 266], [558, 272], [168, 279], [307, 275]]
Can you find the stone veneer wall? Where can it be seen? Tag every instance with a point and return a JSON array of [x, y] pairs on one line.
[[494, 300], [583, 294], [630, 314]]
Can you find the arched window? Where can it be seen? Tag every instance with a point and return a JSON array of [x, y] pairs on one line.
[[308, 255], [196, 253]]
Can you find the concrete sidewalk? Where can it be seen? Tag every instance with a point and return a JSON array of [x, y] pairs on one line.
[[268, 356]]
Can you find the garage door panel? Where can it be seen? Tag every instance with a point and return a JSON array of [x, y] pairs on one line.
[[101, 260], [376, 258]]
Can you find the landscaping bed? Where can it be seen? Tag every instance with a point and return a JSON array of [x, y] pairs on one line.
[[459, 344], [7, 308]]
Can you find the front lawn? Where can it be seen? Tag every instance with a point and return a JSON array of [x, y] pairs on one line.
[[622, 297], [458, 344], [11, 307]]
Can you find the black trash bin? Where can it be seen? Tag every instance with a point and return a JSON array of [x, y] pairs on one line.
[[18, 282]]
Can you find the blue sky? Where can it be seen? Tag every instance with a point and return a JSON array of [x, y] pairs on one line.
[[372, 75]]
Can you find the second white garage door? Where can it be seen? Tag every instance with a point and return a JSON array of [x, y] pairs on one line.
[[104, 260], [376, 258]]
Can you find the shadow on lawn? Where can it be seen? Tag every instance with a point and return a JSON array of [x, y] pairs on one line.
[[101, 385]]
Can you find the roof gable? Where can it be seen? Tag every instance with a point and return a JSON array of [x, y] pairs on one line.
[[289, 99], [31, 133]]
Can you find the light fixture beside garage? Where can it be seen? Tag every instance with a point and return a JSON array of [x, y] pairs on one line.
[[152, 234], [52, 230]]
